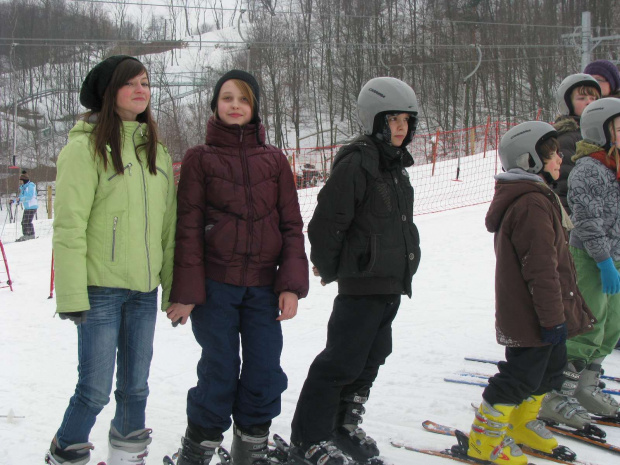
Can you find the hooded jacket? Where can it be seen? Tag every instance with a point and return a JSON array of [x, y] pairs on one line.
[[535, 274], [362, 232], [594, 196], [112, 230], [28, 196], [238, 217]]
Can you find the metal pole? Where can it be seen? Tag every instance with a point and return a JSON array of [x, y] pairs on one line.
[[465, 79], [249, 45], [13, 78], [586, 38]]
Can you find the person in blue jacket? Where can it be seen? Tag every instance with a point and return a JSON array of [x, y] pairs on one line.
[[28, 199]]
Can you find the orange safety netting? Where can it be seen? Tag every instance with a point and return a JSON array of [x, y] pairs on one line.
[[452, 169]]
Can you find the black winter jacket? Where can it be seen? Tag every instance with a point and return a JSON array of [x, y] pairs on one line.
[[362, 232]]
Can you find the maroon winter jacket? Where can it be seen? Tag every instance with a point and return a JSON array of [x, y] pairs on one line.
[[535, 283], [238, 218]]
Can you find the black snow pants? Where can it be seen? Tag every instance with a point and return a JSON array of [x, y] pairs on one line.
[[27, 226], [527, 371], [359, 339]]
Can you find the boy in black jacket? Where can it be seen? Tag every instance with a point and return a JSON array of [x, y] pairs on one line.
[[363, 236]]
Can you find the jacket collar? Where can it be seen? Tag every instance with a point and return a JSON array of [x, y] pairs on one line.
[[221, 134]]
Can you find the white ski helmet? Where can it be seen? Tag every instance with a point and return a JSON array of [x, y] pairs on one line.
[[595, 121], [563, 94], [386, 95], [518, 148]]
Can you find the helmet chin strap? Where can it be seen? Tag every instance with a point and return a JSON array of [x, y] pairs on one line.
[[548, 178]]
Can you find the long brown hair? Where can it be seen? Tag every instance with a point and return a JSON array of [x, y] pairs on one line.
[[109, 125]]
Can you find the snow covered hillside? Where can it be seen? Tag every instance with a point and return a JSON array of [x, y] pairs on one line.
[[450, 316]]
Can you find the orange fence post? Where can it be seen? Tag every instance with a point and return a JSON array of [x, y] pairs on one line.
[[435, 145], [6, 266], [486, 135]]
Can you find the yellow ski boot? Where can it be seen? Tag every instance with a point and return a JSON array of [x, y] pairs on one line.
[[525, 428], [487, 438]]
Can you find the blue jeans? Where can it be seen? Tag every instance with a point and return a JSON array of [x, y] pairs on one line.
[[251, 394], [119, 325]]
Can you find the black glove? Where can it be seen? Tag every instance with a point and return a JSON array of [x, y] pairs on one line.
[[76, 317], [554, 334]]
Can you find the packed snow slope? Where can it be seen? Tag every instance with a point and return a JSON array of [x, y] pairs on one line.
[[451, 315]]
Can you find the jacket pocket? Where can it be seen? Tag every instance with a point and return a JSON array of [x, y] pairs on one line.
[[382, 199], [114, 225], [112, 183], [221, 237], [162, 180], [369, 259]]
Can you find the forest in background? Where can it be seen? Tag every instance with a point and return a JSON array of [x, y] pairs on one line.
[[311, 57]]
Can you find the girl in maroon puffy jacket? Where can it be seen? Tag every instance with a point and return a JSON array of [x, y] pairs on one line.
[[239, 270]]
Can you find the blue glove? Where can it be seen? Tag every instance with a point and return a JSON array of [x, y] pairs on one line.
[[555, 334], [609, 276]]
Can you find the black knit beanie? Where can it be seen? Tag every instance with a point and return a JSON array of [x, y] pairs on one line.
[[97, 80], [242, 76]]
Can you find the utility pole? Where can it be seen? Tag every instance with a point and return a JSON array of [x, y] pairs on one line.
[[586, 38], [588, 43]]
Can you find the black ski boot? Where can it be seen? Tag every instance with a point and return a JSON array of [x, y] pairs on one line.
[[323, 453], [198, 446], [348, 436], [250, 446]]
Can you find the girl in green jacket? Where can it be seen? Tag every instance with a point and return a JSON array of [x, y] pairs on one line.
[[114, 226]]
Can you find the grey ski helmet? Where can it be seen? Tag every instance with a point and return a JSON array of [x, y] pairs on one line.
[[563, 94], [385, 95], [595, 121], [519, 146]]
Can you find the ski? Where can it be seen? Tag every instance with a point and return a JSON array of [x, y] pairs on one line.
[[562, 454], [495, 362], [613, 392], [584, 437], [457, 452]]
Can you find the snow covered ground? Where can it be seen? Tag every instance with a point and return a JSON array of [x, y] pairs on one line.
[[450, 316]]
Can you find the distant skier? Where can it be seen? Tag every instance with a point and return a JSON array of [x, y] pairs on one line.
[[537, 302], [363, 236], [28, 199]]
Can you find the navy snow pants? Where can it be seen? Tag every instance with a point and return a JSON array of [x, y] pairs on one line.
[[250, 394]]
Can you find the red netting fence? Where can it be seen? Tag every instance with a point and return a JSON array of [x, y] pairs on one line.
[[452, 169]]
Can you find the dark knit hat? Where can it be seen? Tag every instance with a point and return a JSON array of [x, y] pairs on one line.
[[97, 80], [243, 76], [24, 176], [606, 69]]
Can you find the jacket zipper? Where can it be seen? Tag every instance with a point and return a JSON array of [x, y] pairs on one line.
[[146, 214], [126, 167], [162, 172], [246, 175], [114, 236]]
